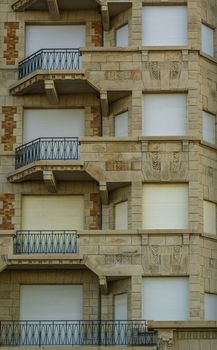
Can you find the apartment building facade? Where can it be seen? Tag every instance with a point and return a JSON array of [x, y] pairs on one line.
[[108, 184]]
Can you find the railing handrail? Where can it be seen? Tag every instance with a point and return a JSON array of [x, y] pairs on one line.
[[47, 148], [40, 51], [46, 242], [55, 138], [76, 332]]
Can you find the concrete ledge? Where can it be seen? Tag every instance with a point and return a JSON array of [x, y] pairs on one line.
[[179, 325]]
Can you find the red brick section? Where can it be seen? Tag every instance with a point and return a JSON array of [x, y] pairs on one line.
[[96, 37], [95, 122], [8, 125], [11, 39], [7, 211], [94, 211]]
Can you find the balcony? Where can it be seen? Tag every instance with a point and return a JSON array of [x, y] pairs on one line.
[[52, 71], [47, 148], [76, 333], [49, 59], [46, 242]]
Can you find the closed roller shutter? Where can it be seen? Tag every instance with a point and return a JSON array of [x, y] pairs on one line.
[[121, 216], [209, 217], [165, 25], [53, 123], [121, 124], [209, 128], [165, 114], [52, 212], [51, 302], [210, 307], [54, 36], [122, 36], [165, 206], [166, 299], [207, 40]]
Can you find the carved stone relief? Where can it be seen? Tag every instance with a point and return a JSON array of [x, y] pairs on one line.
[[165, 259], [164, 166]]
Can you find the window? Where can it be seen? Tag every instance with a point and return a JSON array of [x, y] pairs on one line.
[[209, 217], [121, 124], [59, 302], [164, 114], [210, 307], [209, 127], [165, 206], [54, 36], [166, 299], [121, 216], [122, 36], [165, 26], [52, 212], [53, 123], [207, 40]]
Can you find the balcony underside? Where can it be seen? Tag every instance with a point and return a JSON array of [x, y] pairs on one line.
[[41, 5], [43, 82], [108, 8]]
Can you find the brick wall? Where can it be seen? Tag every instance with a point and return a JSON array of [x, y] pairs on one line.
[[7, 211], [8, 126], [95, 122], [94, 211], [11, 40], [96, 37]]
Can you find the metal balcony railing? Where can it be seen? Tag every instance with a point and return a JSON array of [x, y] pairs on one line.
[[46, 242], [62, 333], [47, 148], [50, 59]]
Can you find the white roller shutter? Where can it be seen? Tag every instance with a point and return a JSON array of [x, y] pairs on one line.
[[52, 212], [51, 302], [54, 36], [53, 123], [209, 217], [121, 216], [121, 307], [207, 40], [165, 206], [209, 128], [164, 114], [121, 124], [165, 25], [166, 299], [210, 307], [122, 36]]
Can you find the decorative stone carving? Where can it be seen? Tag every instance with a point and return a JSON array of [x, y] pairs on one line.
[[164, 166], [166, 341], [118, 259]]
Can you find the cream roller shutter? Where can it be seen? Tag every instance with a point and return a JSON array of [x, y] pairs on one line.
[[51, 302], [121, 216], [210, 307], [166, 299], [122, 36], [121, 124], [54, 36], [52, 212], [209, 217], [164, 114], [165, 206], [209, 128], [207, 40], [121, 307], [165, 25], [53, 123]]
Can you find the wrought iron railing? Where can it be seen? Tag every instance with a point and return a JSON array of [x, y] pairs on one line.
[[50, 59], [60, 333], [46, 242], [47, 148]]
